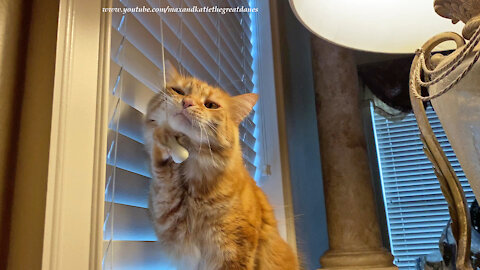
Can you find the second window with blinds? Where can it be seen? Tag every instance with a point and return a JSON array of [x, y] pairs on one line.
[[416, 210], [221, 49]]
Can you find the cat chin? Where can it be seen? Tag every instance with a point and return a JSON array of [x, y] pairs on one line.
[[185, 128], [182, 124], [193, 133]]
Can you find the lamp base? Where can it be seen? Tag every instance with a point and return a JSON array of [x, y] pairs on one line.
[[379, 259], [358, 267]]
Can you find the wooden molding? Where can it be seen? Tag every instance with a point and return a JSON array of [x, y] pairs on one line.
[[101, 132], [76, 174], [277, 39]]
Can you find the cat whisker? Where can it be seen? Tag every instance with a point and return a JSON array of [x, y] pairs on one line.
[[210, 125], [209, 147], [215, 131], [218, 134], [201, 138]]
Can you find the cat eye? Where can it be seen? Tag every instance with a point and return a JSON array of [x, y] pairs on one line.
[[211, 105], [178, 91]]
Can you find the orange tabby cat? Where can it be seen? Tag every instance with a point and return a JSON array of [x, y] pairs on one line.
[[207, 211]]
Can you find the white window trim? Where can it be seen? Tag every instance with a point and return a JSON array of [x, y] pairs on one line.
[[76, 173], [277, 184], [73, 234]]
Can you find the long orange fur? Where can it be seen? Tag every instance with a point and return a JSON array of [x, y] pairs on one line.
[[208, 212]]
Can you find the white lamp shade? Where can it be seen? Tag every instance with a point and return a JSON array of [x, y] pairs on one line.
[[384, 26]]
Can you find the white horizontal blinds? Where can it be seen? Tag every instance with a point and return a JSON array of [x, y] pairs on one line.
[[213, 52], [416, 210], [213, 47]]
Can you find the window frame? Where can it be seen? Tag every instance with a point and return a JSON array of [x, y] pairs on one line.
[[73, 233], [277, 184], [375, 170], [76, 173]]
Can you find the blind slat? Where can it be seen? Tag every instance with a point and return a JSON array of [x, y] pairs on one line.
[[134, 255], [130, 155], [232, 25], [130, 188], [130, 123], [228, 39], [133, 92], [131, 223], [142, 68]]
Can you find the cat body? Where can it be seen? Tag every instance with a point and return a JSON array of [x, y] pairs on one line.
[[208, 213]]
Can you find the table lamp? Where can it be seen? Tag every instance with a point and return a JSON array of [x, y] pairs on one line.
[[452, 82]]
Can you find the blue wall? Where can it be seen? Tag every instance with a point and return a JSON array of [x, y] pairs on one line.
[[302, 135]]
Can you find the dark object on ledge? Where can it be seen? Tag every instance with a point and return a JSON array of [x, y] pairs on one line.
[[447, 247], [432, 261], [475, 216], [388, 81]]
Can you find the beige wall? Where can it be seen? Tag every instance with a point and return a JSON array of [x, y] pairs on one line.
[[27, 48], [12, 51]]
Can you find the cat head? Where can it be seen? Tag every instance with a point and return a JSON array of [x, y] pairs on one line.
[[204, 113]]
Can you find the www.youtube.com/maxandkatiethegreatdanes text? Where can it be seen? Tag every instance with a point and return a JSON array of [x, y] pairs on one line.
[[168, 9]]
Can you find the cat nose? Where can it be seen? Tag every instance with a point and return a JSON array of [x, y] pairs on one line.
[[186, 102]]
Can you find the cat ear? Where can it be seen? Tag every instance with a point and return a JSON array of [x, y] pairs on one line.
[[171, 73], [242, 106]]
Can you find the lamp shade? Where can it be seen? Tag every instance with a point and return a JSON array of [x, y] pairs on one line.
[[384, 26]]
